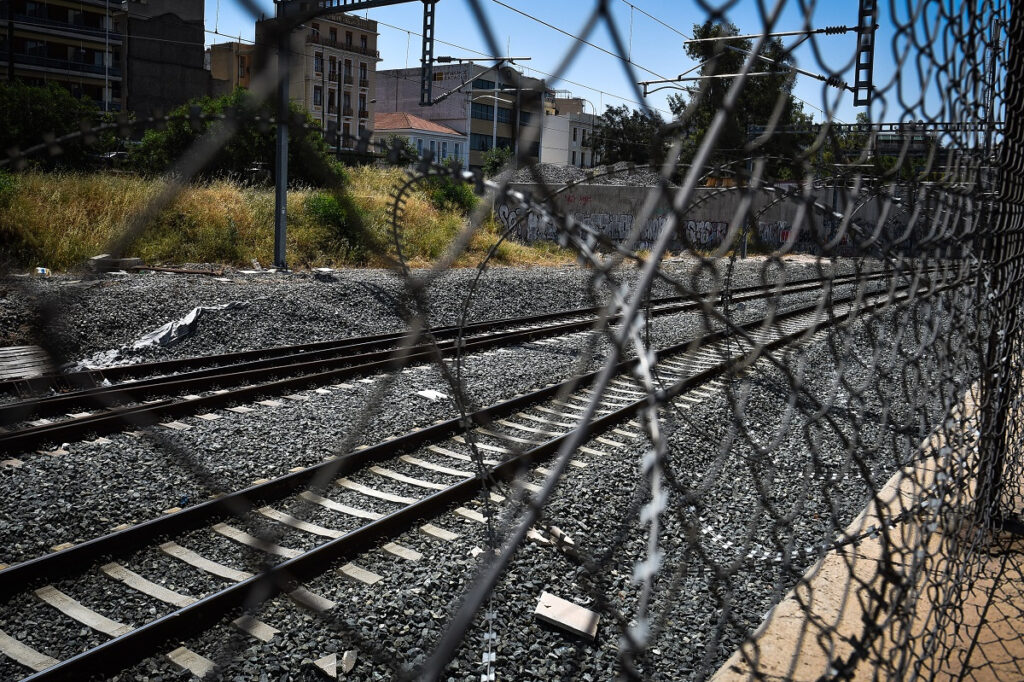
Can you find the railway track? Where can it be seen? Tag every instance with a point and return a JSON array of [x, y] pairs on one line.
[[176, 388], [455, 466]]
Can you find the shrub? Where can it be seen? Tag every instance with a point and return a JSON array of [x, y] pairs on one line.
[[309, 160], [446, 194], [495, 160]]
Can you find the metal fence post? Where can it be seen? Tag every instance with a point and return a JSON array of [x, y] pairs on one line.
[[281, 154]]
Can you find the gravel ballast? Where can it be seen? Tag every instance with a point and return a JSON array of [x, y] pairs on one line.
[[132, 478]]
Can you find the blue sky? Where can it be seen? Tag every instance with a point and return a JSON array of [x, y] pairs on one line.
[[655, 49]]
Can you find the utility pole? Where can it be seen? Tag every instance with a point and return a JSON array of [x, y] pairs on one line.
[[281, 161], [290, 15], [10, 41]]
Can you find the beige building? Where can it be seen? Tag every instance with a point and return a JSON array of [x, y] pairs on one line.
[[231, 66], [333, 71]]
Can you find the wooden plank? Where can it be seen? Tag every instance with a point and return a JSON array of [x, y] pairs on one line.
[[244, 538], [566, 615], [147, 587], [78, 611], [24, 654], [189, 557]]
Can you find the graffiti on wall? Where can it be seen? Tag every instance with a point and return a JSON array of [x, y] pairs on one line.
[[706, 233], [530, 227]]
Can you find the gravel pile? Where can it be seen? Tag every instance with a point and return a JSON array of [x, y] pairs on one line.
[[616, 174], [99, 319]]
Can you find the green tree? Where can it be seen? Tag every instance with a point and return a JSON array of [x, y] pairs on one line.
[[251, 146], [28, 114], [766, 101], [406, 151], [625, 134], [495, 160]]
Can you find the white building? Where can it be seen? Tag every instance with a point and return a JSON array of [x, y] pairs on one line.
[[439, 139], [568, 134]]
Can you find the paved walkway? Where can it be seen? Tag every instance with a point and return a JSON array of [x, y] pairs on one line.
[[948, 601]]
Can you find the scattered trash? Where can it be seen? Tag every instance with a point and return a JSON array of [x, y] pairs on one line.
[[173, 332], [348, 661], [43, 272], [432, 395]]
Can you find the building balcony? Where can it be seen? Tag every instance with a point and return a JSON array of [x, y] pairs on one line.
[[364, 82], [28, 22], [346, 111], [66, 65], [348, 79], [363, 113], [316, 39]]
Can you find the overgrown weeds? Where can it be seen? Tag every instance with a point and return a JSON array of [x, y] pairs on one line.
[[59, 220]]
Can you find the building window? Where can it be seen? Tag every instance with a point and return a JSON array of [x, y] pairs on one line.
[[504, 143], [575, 132], [348, 104], [438, 76], [333, 74], [318, 96], [318, 62], [348, 70], [524, 117], [362, 42], [433, 149], [346, 134], [574, 158], [348, 38], [362, 105], [330, 102], [458, 154], [479, 143], [504, 115], [484, 112], [362, 73], [419, 146], [316, 30], [334, 35], [444, 149], [483, 84], [241, 67]]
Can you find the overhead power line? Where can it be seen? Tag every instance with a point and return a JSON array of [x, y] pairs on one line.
[[576, 37]]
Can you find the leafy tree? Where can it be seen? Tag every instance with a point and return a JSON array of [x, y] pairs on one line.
[[406, 149], [495, 160], [623, 134], [252, 145], [764, 101], [28, 113]]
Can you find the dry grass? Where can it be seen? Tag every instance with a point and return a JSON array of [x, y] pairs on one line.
[[60, 220]]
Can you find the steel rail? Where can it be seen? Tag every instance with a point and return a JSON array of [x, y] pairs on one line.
[[143, 641], [92, 378], [307, 373]]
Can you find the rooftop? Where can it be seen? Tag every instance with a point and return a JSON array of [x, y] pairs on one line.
[[400, 120]]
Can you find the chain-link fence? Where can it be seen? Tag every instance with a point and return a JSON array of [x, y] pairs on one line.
[[844, 499]]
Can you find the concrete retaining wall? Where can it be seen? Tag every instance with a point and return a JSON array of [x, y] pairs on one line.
[[613, 208]]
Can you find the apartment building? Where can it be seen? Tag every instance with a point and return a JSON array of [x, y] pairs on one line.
[[333, 71], [73, 44], [484, 105], [162, 56], [568, 133]]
